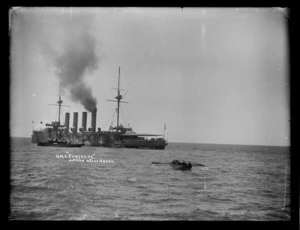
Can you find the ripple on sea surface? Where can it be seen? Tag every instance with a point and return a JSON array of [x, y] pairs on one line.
[[235, 185]]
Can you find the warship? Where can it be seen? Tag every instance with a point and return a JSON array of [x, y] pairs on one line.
[[116, 137]]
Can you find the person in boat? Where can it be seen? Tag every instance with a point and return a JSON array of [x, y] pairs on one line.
[[181, 162]]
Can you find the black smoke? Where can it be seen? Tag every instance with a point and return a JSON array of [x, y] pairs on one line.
[[82, 93], [78, 58]]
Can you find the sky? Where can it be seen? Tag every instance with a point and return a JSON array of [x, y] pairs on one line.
[[212, 75]]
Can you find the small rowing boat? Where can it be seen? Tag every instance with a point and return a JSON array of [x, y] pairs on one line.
[[181, 165]]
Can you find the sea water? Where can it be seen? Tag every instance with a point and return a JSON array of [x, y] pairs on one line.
[[238, 182]]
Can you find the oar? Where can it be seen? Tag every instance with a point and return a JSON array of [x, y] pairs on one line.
[[164, 163], [198, 165], [160, 163]]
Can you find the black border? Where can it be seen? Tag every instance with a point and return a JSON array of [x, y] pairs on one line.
[[293, 40]]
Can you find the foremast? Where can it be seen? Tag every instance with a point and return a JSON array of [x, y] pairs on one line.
[[59, 104]]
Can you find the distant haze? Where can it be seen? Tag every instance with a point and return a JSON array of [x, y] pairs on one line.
[[212, 75]]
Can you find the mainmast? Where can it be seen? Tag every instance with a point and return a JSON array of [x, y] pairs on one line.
[[119, 98]]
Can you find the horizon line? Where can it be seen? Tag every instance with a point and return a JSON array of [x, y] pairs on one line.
[[196, 143]]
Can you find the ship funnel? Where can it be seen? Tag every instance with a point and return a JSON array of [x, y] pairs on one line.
[[84, 119], [93, 121], [67, 122], [75, 121]]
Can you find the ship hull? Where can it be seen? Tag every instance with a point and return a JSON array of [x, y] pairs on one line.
[[65, 145], [148, 144], [105, 139], [181, 167], [144, 147]]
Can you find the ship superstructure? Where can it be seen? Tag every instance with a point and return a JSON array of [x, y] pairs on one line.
[[56, 134]]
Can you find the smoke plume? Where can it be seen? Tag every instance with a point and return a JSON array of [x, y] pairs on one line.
[[82, 93], [64, 37], [77, 59]]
